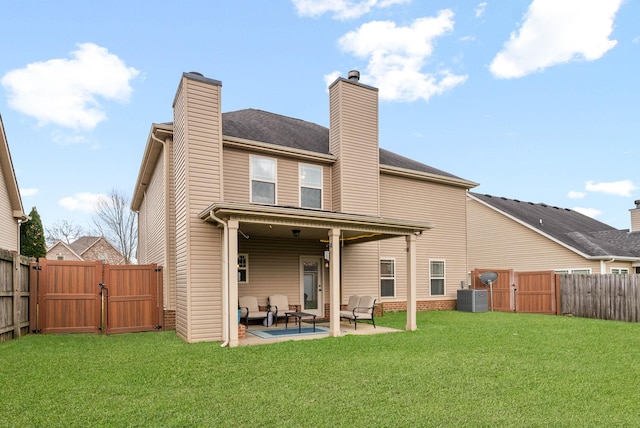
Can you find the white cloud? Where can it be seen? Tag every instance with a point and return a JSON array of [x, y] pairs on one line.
[[84, 201], [341, 9], [589, 212], [480, 9], [618, 188], [64, 91], [576, 195], [467, 39], [331, 77], [556, 32], [28, 192], [397, 56]]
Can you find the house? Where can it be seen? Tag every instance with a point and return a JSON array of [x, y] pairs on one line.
[[11, 211], [524, 236], [86, 248], [252, 203]]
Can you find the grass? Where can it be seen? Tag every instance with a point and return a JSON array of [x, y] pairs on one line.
[[458, 369]]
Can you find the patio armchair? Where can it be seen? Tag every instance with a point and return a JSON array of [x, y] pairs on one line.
[[250, 310], [278, 304], [359, 308]]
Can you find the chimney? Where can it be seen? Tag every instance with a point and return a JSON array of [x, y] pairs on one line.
[[353, 139], [635, 217]]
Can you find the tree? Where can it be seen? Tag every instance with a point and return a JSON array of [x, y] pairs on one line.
[[65, 231], [117, 223], [32, 236]]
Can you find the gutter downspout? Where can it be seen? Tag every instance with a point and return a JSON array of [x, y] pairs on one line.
[[225, 279], [603, 263]]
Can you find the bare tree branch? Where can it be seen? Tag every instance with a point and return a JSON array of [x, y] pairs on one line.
[[65, 231], [116, 222]]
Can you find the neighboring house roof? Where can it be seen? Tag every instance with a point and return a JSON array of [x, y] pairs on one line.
[[83, 243], [583, 234], [6, 165]]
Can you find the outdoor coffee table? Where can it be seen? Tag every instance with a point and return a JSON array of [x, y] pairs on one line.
[[299, 316]]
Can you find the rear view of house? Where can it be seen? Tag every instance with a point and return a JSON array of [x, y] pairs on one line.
[[252, 203]]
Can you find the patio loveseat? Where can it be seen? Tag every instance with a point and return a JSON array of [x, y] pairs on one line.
[[359, 308]]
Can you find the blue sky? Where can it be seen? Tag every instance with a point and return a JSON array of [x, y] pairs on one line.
[[536, 100]]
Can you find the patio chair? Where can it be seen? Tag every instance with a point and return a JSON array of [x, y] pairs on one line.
[[359, 308], [249, 310], [278, 304]]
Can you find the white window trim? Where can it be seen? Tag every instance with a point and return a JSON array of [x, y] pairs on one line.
[[444, 277], [246, 268], [275, 181], [571, 270], [300, 186], [395, 276]]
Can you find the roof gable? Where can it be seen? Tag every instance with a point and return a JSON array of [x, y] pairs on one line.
[[578, 231]]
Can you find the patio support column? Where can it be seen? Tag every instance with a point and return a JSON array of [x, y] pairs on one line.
[[232, 251], [411, 283], [334, 282]]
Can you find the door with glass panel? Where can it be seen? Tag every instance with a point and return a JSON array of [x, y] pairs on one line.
[[311, 285]]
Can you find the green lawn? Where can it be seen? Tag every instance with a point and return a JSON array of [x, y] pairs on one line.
[[458, 369]]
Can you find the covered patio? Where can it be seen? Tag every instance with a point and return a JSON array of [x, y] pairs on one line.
[[333, 229]]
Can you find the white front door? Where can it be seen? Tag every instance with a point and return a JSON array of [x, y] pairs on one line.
[[311, 285]]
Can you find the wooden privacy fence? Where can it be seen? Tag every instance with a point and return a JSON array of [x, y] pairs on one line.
[[530, 292], [91, 297], [14, 295], [607, 297]]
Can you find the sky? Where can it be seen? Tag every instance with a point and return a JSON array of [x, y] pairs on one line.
[[535, 100]]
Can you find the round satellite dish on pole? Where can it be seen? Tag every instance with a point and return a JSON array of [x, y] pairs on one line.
[[488, 278]]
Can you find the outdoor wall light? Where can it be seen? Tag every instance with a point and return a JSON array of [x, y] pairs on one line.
[[296, 232]]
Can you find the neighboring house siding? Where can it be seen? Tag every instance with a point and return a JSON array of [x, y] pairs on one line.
[[203, 162], [237, 180], [444, 207], [498, 242], [8, 224], [61, 250], [103, 251], [355, 113]]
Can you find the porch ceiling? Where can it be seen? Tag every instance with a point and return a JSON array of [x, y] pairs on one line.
[[279, 222]]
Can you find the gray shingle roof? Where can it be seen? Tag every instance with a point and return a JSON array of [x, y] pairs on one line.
[[259, 125], [585, 234]]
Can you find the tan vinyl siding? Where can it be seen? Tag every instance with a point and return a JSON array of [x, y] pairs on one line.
[[152, 228], [444, 207], [202, 252], [237, 181], [354, 139], [635, 220], [180, 176], [360, 272], [498, 242], [274, 267], [170, 227], [8, 224]]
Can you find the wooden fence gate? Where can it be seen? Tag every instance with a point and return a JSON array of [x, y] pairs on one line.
[[91, 297], [530, 292]]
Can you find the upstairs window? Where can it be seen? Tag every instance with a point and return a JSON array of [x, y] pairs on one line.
[[436, 276], [310, 186], [263, 180], [574, 271]]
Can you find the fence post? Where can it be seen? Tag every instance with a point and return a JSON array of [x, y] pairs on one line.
[[17, 300]]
